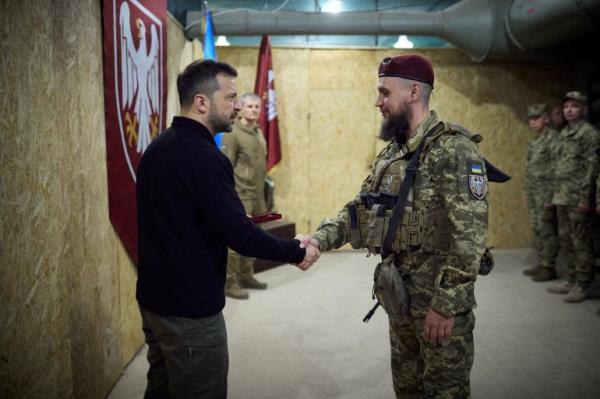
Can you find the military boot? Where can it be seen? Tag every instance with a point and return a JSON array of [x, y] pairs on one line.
[[251, 282], [561, 288], [577, 294], [233, 290], [545, 274], [532, 270]]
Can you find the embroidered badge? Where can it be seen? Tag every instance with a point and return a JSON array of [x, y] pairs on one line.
[[478, 186]]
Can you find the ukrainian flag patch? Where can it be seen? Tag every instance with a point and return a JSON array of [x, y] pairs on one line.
[[476, 168]]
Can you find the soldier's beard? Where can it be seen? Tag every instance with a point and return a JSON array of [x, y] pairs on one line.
[[395, 127]]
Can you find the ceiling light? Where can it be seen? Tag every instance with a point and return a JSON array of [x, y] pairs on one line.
[[403, 42], [333, 6], [222, 41]]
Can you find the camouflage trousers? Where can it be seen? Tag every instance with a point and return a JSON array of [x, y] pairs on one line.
[[544, 224], [241, 267], [575, 234], [421, 369]]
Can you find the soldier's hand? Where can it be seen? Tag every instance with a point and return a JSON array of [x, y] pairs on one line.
[[437, 327], [584, 207], [525, 200], [549, 206], [598, 208]]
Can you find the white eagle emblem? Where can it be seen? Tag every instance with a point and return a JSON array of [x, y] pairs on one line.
[[478, 186], [140, 81]]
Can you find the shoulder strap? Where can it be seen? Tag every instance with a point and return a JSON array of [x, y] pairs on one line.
[[411, 171]]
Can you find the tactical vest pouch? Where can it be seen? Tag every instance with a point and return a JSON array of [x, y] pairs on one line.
[[358, 224], [390, 289], [410, 234], [377, 226]]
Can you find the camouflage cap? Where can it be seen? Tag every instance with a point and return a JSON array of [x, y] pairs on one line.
[[537, 110], [575, 95]]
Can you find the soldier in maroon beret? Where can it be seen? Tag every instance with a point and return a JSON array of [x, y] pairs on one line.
[[431, 253]]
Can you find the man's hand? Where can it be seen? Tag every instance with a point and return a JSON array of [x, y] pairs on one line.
[[437, 327], [584, 207], [549, 206], [525, 200], [598, 208], [312, 251], [306, 240]]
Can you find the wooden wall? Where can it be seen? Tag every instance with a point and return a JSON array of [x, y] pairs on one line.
[[69, 321]]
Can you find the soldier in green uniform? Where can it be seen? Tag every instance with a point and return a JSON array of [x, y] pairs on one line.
[[539, 188], [246, 148], [576, 171], [440, 239]]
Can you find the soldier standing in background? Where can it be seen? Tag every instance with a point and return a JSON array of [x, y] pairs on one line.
[[440, 238], [576, 171], [539, 188], [246, 148], [557, 121]]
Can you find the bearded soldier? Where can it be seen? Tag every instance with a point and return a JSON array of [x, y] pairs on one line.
[[436, 245]]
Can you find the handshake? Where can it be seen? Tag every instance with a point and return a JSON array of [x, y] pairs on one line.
[[312, 251]]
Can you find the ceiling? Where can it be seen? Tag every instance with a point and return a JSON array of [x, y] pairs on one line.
[[179, 8]]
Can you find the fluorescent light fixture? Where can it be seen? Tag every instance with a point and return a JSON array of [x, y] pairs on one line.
[[403, 42], [222, 41], [333, 6]]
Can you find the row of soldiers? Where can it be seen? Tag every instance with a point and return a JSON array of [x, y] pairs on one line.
[[562, 185]]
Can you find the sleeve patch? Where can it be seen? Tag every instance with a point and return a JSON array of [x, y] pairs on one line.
[[477, 180]]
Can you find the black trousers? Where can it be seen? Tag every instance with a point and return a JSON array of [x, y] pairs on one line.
[[188, 357]]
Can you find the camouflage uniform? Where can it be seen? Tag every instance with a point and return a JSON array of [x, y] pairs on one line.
[[246, 148], [576, 170], [438, 248], [539, 188]]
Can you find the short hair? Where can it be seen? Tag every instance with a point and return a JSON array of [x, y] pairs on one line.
[[201, 77], [249, 96], [426, 89]]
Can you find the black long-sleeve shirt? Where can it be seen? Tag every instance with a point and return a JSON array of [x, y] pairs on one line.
[[188, 213]]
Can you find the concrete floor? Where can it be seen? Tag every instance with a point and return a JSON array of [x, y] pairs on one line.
[[303, 338]]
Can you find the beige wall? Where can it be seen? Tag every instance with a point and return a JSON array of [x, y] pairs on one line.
[[68, 317], [328, 123]]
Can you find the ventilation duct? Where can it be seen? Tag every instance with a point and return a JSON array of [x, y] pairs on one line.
[[482, 28]]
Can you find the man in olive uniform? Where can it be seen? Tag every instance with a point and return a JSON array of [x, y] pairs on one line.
[[539, 183], [576, 171], [246, 148], [440, 239]]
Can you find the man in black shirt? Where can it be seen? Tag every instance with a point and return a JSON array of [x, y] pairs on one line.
[[188, 213]]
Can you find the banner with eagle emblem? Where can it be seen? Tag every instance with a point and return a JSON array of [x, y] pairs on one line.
[[135, 100]]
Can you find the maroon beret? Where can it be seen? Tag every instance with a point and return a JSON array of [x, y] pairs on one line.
[[413, 67]]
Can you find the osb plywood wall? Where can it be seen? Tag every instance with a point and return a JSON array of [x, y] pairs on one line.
[[328, 123], [68, 317]]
